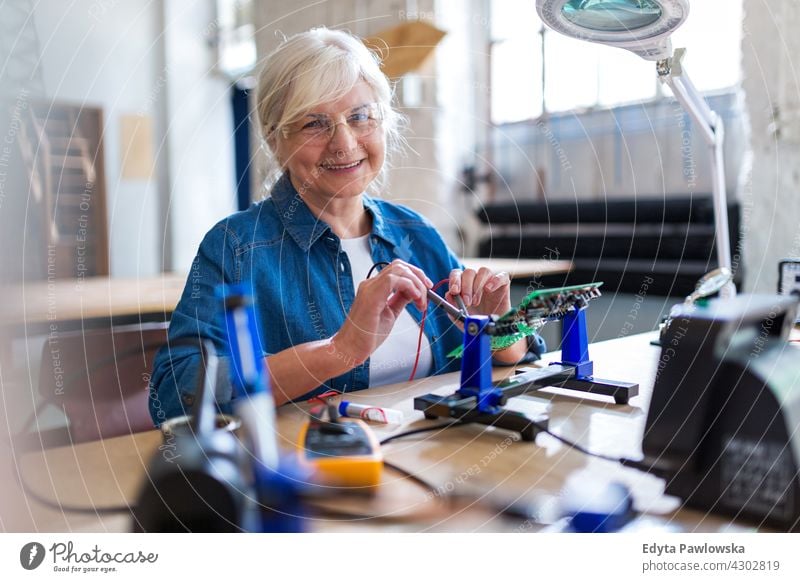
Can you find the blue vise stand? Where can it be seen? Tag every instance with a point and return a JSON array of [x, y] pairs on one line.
[[479, 400], [575, 344], [476, 365], [576, 369]]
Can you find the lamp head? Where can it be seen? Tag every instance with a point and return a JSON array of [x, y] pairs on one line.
[[640, 26]]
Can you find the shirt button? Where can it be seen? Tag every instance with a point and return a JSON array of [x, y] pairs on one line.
[[342, 266]]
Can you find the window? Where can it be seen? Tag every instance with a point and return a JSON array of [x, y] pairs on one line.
[[235, 37], [516, 61], [535, 70]]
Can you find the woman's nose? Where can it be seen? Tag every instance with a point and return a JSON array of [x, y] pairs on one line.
[[343, 138]]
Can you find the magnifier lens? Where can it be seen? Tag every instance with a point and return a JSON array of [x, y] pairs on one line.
[[612, 15]]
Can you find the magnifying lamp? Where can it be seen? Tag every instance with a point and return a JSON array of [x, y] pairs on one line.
[[644, 27]]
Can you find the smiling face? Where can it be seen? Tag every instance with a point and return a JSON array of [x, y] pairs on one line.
[[342, 166]]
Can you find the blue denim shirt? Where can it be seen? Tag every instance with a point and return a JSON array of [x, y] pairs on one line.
[[302, 287]]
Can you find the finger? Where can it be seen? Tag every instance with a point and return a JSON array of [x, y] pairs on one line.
[[386, 283], [454, 284], [416, 276], [417, 271], [497, 281], [400, 269], [456, 300], [414, 273], [453, 300], [467, 290], [397, 303], [403, 292], [411, 287], [481, 278]]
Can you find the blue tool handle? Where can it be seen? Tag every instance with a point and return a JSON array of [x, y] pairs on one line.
[[253, 401]]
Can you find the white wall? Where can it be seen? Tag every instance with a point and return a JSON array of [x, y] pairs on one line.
[[199, 135], [772, 83], [463, 124], [102, 54], [151, 58]]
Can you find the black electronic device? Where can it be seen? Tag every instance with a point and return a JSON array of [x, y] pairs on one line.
[[723, 425], [789, 279], [195, 481], [207, 479]]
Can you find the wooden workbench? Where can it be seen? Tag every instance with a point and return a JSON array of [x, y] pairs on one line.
[[483, 464]]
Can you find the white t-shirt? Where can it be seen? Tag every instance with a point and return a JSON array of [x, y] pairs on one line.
[[394, 359]]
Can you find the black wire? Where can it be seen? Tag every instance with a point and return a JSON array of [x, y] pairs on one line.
[[375, 266], [113, 509], [631, 463], [70, 508], [23, 433], [511, 510], [390, 438], [576, 446], [642, 466], [339, 513], [413, 477], [418, 480]]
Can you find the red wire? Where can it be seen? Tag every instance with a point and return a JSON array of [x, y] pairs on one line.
[[323, 398], [421, 330]]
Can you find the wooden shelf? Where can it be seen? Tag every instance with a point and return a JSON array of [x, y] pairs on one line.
[[63, 148]]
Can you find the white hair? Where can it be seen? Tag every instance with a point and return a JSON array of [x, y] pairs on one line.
[[316, 67]]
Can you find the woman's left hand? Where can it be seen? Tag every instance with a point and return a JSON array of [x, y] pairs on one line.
[[482, 291], [486, 293]]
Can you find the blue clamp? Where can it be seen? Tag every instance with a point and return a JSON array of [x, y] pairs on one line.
[[575, 344], [476, 365]]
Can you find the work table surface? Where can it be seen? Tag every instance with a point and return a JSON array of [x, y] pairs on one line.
[[485, 466]]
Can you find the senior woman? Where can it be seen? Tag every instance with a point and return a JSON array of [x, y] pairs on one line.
[[326, 116]]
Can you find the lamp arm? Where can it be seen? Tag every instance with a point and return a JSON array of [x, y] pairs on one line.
[[710, 125], [672, 73], [721, 228], [694, 104]]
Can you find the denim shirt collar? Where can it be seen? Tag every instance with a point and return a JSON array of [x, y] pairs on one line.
[[306, 229]]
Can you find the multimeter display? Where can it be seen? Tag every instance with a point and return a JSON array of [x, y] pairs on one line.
[[342, 452], [347, 440]]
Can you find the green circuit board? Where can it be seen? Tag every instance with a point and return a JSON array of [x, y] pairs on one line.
[[552, 303], [536, 309], [501, 342]]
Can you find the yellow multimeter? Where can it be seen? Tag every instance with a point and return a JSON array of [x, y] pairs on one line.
[[341, 452]]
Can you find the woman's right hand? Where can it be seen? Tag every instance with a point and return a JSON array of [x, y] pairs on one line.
[[378, 303]]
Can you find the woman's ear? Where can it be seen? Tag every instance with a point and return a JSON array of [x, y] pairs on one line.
[[272, 142], [274, 147]]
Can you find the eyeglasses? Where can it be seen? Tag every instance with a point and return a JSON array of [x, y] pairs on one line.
[[320, 127]]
